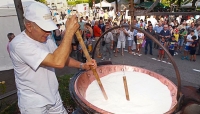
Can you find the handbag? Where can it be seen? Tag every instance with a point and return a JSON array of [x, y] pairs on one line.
[[143, 43]]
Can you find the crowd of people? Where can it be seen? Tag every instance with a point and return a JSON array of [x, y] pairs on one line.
[[178, 38]]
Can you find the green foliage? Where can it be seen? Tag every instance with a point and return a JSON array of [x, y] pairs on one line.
[[12, 109], [74, 2], [42, 1], [165, 2], [64, 93]]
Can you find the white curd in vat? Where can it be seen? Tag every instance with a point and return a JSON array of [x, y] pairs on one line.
[[147, 94]]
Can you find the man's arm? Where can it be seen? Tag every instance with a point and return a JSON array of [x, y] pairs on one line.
[[58, 58], [76, 64]]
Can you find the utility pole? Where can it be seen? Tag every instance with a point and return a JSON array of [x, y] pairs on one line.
[[131, 12], [20, 12]]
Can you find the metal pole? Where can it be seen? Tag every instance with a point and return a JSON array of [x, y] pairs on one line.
[[20, 12]]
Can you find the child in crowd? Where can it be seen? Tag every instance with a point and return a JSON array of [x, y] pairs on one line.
[[172, 45], [182, 35], [161, 50], [187, 45], [130, 39], [176, 35], [193, 47], [140, 38]]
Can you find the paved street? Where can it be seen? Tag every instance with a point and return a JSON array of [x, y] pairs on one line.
[[188, 75], [190, 71]]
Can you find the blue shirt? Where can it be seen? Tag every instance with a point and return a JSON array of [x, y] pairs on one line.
[[165, 33], [135, 31], [158, 29]]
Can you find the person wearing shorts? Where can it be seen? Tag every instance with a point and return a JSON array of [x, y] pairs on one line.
[[193, 48], [140, 38], [182, 35], [121, 40], [187, 45], [130, 39], [172, 45], [161, 50]]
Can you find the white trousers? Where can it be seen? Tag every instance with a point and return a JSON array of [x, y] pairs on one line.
[[57, 108]]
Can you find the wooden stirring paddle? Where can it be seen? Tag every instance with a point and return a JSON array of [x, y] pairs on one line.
[[126, 88], [85, 51]]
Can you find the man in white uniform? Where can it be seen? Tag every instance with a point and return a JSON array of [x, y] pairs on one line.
[[35, 55]]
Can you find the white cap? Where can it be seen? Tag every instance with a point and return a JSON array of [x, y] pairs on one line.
[[40, 14]]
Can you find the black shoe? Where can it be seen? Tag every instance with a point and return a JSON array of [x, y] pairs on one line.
[[151, 54], [145, 53]]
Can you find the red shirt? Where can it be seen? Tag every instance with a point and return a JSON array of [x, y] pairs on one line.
[[97, 31]]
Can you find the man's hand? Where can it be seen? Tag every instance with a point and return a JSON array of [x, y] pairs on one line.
[[87, 65], [72, 24]]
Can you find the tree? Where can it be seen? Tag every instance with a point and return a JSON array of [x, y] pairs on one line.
[[42, 1]]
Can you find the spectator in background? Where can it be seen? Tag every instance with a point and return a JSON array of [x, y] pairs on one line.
[[187, 45], [93, 22], [172, 45], [108, 46], [115, 39], [183, 25], [125, 24], [101, 25], [140, 38], [158, 29], [63, 15], [161, 50], [122, 33], [182, 35], [135, 33], [142, 24], [97, 33], [82, 24], [130, 39], [57, 35], [149, 40], [191, 27], [193, 47], [165, 33], [10, 38], [87, 20]]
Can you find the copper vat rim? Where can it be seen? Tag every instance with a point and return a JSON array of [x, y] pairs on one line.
[[153, 74]]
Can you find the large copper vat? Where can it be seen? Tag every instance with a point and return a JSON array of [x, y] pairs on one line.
[[80, 82]]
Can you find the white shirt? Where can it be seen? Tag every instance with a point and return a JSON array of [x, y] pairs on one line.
[[131, 35], [140, 35], [189, 37], [37, 85], [122, 36]]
